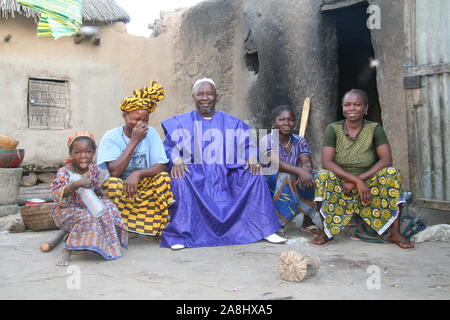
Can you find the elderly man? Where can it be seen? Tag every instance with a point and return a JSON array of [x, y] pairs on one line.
[[221, 199]]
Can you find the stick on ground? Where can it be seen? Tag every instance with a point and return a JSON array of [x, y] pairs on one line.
[[53, 242]]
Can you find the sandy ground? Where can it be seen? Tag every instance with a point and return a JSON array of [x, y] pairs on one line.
[[349, 270]]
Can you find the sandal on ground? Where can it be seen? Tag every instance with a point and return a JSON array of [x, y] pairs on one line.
[[403, 244], [312, 229], [359, 236], [364, 233], [322, 240]]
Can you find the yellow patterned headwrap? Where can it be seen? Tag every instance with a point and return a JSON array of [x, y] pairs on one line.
[[144, 98]]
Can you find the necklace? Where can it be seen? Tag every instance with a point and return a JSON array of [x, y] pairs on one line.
[[287, 144], [347, 134]]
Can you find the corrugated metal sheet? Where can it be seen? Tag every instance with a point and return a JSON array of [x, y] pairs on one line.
[[433, 115]]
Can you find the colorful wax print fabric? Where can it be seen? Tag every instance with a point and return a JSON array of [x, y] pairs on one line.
[[337, 208]]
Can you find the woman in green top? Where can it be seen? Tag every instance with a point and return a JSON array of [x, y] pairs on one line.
[[358, 176]]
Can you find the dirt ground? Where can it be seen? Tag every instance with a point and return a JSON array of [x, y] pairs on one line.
[[349, 270]]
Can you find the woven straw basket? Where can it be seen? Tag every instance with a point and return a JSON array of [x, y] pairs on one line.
[[7, 143], [38, 217]]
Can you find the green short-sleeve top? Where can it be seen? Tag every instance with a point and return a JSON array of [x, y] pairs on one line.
[[355, 156]]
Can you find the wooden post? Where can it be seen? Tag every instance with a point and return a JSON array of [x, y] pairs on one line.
[[305, 116]]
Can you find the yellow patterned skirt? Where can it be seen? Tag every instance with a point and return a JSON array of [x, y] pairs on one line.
[[148, 212], [337, 208]]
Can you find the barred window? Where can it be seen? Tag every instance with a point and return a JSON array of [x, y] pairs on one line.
[[48, 104]]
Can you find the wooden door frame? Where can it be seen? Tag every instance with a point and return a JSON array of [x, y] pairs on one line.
[[412, 101]]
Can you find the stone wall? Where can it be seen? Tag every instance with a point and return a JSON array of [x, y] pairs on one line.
[[297, 59], [208, 46], [261, 54], [264, 53], [295, 48]]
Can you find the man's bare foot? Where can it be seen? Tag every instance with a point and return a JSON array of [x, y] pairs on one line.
[[401, 241], [63, 258], [321, 239]]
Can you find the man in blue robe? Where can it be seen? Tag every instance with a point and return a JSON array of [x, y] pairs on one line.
[[220, 196]]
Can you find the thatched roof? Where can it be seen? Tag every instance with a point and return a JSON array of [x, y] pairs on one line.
[[100, 11]]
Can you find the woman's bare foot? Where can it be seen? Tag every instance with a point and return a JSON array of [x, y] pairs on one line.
[[321, 239], [63, 258], [396, 236], [399, 240]]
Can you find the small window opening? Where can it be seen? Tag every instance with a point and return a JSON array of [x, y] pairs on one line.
[[48, 104]]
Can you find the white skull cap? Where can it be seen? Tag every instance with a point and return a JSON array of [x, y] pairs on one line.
[[204, 80]]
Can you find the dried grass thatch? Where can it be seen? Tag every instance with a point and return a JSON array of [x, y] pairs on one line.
[[105, 11], [97, 11]]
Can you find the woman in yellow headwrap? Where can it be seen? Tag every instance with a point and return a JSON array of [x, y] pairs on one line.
[[134, 155]]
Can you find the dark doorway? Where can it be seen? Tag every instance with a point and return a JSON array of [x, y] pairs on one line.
[[356, 58]]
